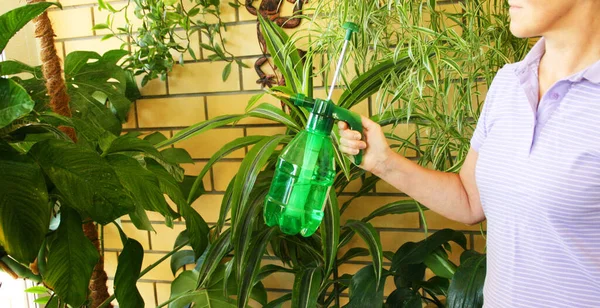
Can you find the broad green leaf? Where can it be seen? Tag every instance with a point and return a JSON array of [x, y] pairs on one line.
[[87, 182], [155, 138], [371, 238], [437, 286], [199, 128], [93, 116], [71, 259], [366, 288], [181, 288], [127, 143], [12, 67], [12, 21], [439, 264], [181, 258], [251, 265], [409, 275], [330, 232], [270, 112], [306, 287], [404, 298], [222, 152], [24, 208], [89, 74], [142, 184], [419, 252], [15, 102], [466, 287], [126, 276], [195, 224], [177, 156]]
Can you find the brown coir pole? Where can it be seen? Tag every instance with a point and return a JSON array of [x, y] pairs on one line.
[[59, 102]]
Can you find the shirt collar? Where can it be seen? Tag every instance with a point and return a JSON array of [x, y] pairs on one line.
[[532, 61]]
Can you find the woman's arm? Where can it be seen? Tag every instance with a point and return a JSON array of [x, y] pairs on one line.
[[452, 195]]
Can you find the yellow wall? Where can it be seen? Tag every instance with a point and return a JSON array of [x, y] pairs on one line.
[[194, 93]]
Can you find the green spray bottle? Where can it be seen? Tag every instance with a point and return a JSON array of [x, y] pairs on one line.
[[305, 169]]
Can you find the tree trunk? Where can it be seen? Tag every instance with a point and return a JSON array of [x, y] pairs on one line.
[[59, 102]]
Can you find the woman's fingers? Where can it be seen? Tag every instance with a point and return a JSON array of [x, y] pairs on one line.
[[351, 143], [349, 150]]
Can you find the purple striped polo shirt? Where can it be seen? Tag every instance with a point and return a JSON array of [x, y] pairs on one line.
[[538, 175]]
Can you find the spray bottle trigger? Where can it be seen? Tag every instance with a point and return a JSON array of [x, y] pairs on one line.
[[355, 123]]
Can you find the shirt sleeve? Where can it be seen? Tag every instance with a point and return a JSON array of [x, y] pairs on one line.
[[483, 124]]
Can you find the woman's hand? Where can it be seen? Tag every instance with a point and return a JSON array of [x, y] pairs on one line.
[[375, 146]]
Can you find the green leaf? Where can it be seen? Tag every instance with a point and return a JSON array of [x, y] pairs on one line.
[[126, 276], [466, 287], [12, 21], [12, 67], [394, 208], [353, 253], [270, 112], [199, 128], [24, 207], [177, 156], [251, 265], [306, 287], [371, 238], [184, 284], [222, 152], [366, 288], [195, 224], [284, 54], [330, 232], [155, 138], [142, 184], [226, 71], [126, 143], [419, 252], [71, 259], [404, 298], [92, 115], [100, 27], [253, 100], [437, 286], [217, 251], [15, 102], [181, 258], [269, 269], [409, 275], [42, 300], [242, 217], [439, 264], [87, 182], [278, 302], [37, 290]]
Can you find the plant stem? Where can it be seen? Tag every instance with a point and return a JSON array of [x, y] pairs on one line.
[[147, 269]]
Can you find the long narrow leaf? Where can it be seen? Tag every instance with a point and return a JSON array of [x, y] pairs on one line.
[[251, 265], [330, 233], [371, 238], [217, 251], [199, 128], [306, 288]]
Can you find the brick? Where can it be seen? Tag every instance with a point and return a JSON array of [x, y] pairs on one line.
[[437, 221], [249, 75], [118, 19], [278, 280], [363, 206], [392, 240], [168, 112], [164, 237], [385, 187], [195, 169], [236, 104], [112, 239], [479, 243], [71, 23], [92, 44], [242, 40], [389, 286], [131, 119], [209, 207], [227, 14], [110, 263], [23, 46], [349, 268], [223, 173], [163, 292], [194, 40], [153, 87], [161, 272], [147, 291], [265, 131], [65, 3], [353, 186], [207, 143], [201, 77]]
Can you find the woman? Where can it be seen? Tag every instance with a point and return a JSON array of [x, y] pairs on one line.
[[533, 170]]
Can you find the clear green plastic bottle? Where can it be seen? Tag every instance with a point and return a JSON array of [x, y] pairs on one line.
[[305, 170]]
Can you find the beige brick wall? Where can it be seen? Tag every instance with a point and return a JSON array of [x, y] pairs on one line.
[[194, 93]]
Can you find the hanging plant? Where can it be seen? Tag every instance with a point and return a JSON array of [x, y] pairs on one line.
[[165, 29]]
